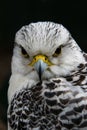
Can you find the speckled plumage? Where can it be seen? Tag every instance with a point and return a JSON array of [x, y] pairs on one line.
[[59, 100]]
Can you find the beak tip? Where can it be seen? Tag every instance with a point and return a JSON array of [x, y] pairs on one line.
[[40, 67]]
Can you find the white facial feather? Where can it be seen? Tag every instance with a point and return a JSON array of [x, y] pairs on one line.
[[41, 37], [44, 38]]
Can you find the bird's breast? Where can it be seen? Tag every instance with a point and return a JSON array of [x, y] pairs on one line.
[[50, 105]]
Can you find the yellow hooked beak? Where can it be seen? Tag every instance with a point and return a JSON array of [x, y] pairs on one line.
[[40, 63]]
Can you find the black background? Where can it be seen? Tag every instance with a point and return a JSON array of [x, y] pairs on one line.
[[72, 14], [16, 13]]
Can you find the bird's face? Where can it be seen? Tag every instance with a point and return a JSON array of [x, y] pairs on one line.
[[37, 66], [44, 50]]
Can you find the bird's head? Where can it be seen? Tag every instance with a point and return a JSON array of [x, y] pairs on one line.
[[44, 50]]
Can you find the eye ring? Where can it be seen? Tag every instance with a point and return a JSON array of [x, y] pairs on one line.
[[57, 52], [24, 53]]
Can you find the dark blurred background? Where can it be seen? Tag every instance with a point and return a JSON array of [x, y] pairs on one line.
[[16, 13]]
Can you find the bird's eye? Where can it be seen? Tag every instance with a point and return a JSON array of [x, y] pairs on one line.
[[24, 53], [57, 52]]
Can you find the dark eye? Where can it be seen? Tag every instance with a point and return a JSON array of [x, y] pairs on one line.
[[24, 53], [57, 52]]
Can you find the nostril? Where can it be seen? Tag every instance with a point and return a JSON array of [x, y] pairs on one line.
[[45, 58], [35, 59]]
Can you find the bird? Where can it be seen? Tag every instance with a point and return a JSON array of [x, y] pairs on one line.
[[48, 83]]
